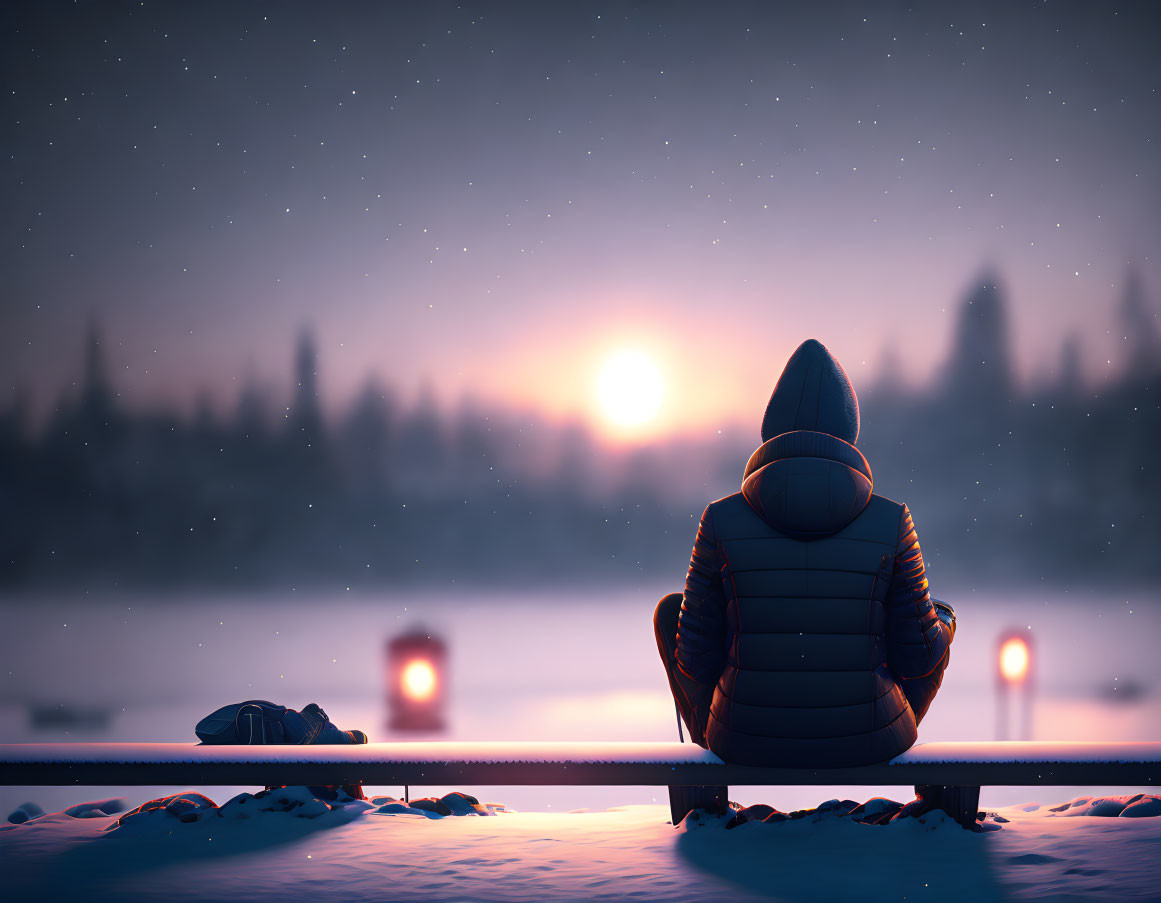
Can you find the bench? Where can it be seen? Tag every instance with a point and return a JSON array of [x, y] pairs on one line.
[[947, 774]]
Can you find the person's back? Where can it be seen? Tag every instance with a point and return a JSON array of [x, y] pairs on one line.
[[806, 635]]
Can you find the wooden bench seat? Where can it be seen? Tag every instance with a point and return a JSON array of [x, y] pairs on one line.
[[950, 774]]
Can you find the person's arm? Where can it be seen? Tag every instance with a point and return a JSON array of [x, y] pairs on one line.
[[918, 641], [701, 625]]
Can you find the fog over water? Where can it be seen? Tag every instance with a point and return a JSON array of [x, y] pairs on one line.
[[551, 665]]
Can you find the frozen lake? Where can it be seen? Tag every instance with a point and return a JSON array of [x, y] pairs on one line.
[[570, 665]]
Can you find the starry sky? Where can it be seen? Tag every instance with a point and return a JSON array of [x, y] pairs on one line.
[[490, 198]]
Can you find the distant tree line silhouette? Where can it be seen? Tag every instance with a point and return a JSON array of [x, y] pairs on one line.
[[1054, 484]]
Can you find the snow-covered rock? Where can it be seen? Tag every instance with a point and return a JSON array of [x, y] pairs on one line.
[[24, 812], [96, 808], [184, 808], [1145, 807], [190, 807], [455, 803], [1142, 804]]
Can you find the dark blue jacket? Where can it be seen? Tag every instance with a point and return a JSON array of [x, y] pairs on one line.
[[806, 605]]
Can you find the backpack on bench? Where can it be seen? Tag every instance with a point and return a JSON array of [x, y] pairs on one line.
[[257, 722]]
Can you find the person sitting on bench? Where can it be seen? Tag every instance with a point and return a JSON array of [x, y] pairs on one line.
[[806, 636]]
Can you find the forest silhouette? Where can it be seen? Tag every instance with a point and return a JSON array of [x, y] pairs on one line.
[[1052, 484]]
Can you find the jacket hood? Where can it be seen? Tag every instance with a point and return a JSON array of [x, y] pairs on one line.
[[813, 393], [808, 484]]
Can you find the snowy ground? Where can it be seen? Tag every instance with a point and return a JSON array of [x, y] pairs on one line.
[[356, 852], [158, 665], [554, 665]]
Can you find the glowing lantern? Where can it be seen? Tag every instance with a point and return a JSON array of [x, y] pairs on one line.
[[418, 679], [416, 683], [1013, 670], [1014, 660]]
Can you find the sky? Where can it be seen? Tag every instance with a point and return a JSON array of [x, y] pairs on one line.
[[493, 199]]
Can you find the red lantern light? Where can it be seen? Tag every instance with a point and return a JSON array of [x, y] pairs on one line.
[[1014, 671], [416, 682], [1014, 660]]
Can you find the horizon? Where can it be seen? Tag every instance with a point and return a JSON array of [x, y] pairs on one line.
[[275, 391]]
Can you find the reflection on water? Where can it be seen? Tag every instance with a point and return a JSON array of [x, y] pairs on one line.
[[578, 664]]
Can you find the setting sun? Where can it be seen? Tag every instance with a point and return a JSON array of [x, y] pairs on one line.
[[630, 388]]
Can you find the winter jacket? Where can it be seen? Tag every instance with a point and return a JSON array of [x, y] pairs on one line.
[[806, 605]]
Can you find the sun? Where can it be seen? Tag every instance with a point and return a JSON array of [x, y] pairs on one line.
[[630, 388]]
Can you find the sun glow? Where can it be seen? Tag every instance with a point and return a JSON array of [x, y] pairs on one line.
[[630, 388]]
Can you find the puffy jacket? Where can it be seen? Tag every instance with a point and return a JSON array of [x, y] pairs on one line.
[[806, 605]]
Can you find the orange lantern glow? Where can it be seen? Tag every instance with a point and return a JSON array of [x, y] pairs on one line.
[[1014, 670], [1014, 660], [416, 682], [418, 679]]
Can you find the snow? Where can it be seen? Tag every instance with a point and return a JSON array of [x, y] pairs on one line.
[[380, 850], [1044, 751], [388, 753], [1138, 805], [491, 752], [533, 855], [182, 655]]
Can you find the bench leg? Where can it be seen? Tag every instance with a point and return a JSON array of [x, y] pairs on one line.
[[961, 803], [684, 798]]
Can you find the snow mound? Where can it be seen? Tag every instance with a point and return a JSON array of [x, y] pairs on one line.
[[877, 811], [1140, 805], [24, 812], [190, 807], [95, 809], [881, 811], [435, 807], [293, 802], [1146, 807]]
